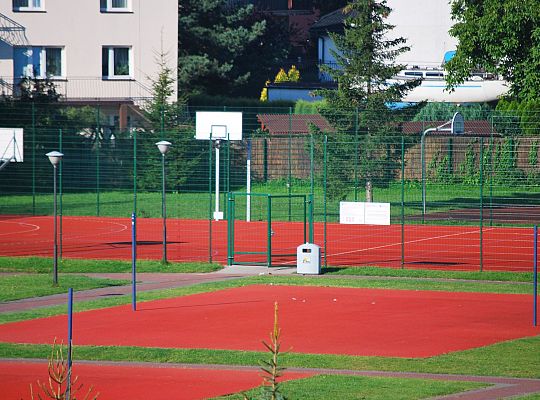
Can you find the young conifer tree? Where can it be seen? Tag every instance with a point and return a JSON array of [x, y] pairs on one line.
[[365, 56]]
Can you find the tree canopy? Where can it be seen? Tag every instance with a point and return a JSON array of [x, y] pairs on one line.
[[358, 108], [502, 37], [212, 36], [365, 58]]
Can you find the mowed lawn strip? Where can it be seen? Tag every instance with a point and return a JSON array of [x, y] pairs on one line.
[[66, 265], [323, 387], [374, 283], [515, 358], [22, 286], [43, 265], [500, 276]]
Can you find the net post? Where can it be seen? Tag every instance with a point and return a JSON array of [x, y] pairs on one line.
[[135, 172], [70, 341], [535, 277]]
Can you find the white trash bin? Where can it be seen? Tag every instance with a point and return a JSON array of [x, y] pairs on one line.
[[308, 259]]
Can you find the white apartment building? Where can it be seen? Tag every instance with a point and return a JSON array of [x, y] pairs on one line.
[[95, 51]]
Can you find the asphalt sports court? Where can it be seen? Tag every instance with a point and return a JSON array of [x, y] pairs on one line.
[[320, 320], [424, 246]]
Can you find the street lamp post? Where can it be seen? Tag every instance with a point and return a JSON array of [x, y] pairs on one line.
[[163, 147], [55, 157]]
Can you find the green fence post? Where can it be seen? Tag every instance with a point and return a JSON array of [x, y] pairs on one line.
[[265, 160], [423, 172], [356, 155], [33, 159], [230, 229], [311, 164], [289, 180], [481, 204], [98, 128], [325, 175], [402, 202], [491, 171], [228, 174], [311, 232], [210, 201], [60, 145], [269, 232]]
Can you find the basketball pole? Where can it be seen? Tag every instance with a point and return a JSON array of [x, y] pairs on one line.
[[248, 181], [216, 210]]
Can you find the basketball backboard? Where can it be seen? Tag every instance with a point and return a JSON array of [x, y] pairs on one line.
[[217, 125], [457, 124], [11, 144]]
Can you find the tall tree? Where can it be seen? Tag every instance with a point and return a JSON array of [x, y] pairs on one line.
[[365, 58], [212, 36], [502, 37]]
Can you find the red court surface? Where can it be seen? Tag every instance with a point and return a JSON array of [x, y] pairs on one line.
[[367, 322], [134, 382], [424, 246]]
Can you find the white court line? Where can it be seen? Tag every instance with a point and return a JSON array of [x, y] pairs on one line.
[[34, 228], [399, 243]]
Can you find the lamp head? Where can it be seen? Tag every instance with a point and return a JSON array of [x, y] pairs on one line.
[[164, 146], [55, 157]]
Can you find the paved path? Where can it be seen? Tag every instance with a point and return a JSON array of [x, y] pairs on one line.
[[145, 282]]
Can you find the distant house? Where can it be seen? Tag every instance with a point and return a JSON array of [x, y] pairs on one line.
[[94, 51]]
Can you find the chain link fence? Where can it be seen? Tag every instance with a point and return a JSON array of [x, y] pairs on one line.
[[456, 201]]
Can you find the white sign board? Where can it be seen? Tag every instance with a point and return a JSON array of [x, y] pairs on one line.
[[217, 125], [11, 144], [359, 213], [351, 212]]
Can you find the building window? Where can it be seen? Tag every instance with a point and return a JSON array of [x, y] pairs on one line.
[[28, 5], [39, 62], [116, 62], [115, 5]]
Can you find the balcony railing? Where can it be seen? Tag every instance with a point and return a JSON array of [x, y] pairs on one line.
[[87, 89], [275, 5], [12, 32]]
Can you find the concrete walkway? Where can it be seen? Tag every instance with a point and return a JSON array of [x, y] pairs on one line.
[[145, 282]]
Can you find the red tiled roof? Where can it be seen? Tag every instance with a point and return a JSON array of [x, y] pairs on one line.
[[295, 124], [476, 128]]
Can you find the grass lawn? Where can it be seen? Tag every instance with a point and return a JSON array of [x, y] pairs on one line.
[[323, 387], [66, 265], [21, 286], [501, 276], [181, 204]]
